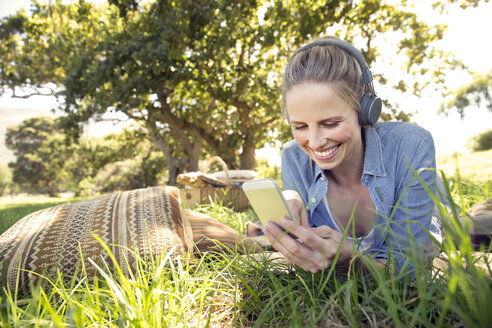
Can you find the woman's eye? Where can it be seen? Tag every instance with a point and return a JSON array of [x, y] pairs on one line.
[[299, 127], [330, 125]]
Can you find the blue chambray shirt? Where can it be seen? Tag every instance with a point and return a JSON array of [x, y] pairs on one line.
[[404, 207]]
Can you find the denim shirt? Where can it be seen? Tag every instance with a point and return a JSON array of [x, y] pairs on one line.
[[394, 153]]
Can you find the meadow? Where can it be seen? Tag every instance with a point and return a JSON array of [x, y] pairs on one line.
[[231, 289]]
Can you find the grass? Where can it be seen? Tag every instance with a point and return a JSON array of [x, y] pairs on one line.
[[474, 166], [246, 291]]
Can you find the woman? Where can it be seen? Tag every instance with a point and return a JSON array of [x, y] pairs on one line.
[[343, 172]]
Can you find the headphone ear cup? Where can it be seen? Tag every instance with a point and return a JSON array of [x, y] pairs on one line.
[[370, 109]]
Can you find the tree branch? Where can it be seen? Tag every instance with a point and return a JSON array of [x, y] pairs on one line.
[[33, 93]]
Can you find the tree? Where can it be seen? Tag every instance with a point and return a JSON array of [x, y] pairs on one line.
[[41, 152], [482, 141], [45, 163], [36, 49], [219, 86], [129, 174], [476, 93], [203, 77], [5, 179], [134, 70], [94, 156]]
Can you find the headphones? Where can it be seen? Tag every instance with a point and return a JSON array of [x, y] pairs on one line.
[[370, 104]]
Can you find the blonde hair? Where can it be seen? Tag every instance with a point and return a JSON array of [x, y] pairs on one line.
[[325, 64]]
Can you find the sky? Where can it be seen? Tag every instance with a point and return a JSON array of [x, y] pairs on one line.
[[464, 38]]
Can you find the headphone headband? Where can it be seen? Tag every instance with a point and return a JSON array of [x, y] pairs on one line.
[[347, 47]]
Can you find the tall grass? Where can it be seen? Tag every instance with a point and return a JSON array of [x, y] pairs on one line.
[[233, 290]]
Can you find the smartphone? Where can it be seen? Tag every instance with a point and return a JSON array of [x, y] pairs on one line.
[[267, 200]]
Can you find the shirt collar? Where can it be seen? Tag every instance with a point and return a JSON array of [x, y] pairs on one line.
[[318, 172], [373, 156]]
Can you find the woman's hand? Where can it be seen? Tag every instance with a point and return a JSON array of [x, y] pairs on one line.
[[318, 248]]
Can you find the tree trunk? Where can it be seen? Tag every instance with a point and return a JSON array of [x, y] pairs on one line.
[[173, 164], [248, 157], [51, 191], [194, 156], [230, 159], [173, 170], [189, 139]]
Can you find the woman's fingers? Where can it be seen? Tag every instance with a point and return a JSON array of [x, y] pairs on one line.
[[304, 218], [298, 253], [342, 246], [318, 248], [321, 240]]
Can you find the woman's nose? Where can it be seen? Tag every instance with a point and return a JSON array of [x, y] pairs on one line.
[[316, 139]]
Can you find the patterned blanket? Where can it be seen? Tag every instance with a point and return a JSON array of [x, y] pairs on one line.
[[146, 220]]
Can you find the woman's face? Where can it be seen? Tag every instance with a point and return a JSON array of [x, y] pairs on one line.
[[324, 125]]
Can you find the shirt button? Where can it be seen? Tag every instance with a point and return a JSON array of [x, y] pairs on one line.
[[323, 178], [313, 200]]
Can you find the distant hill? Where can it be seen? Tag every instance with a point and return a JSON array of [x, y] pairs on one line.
[[13, 116]]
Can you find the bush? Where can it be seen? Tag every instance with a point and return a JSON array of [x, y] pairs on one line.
[[265, 170], [5, 179], [128, 174], [482, 141]]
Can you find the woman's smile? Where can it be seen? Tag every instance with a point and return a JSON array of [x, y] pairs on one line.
[[326, 154]]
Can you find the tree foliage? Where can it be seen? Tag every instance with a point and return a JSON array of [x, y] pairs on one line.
[[129, 174], [45, 163], [92, 154], [118, 161], [36, 49], [39, 146], [5, 179], [201, 77], [482, 141], [475, 94]]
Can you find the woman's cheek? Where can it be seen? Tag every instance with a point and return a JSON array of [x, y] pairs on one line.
[[299, 136]]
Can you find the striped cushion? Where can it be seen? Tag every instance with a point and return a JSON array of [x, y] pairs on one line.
[[147, 220]]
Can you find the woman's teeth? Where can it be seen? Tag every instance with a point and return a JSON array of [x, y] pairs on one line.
[[326, 152]]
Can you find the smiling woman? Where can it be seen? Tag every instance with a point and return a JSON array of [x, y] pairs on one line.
[[355, 185]]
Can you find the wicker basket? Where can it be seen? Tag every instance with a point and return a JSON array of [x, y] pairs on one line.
[[231, 193], [222, 164]]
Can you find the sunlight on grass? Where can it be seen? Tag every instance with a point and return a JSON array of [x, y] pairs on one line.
[[233, 290], [476, 165]]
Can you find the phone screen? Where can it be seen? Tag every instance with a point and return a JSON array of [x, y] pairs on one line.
[[267, 200]]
